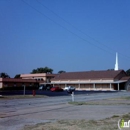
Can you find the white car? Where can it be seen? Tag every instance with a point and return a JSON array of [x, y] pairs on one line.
[[69, 88]]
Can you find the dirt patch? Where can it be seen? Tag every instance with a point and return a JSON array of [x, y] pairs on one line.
[[83, 124], [2, 115]]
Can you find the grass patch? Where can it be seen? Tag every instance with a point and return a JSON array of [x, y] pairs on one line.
[[127, 98], [115, 116], [120, 98], [126, 117], [103, 102], [106, 124], [22, 97], [78, 103], [88, 103], [84, 103]]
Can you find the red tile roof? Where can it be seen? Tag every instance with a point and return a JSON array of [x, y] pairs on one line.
[[108, 74]]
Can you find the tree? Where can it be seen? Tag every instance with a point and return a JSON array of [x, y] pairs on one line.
[[61, 71], [110, 69], [128, 72], [4, 75], [42, 70], [17, 76]]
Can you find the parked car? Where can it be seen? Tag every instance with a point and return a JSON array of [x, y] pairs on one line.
[[45, 87], [56, 89], [48, 86], [42, 87], [69, 88]]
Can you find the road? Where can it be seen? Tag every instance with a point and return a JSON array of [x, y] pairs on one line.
[[16, 113], [49, 93], [57, 100]]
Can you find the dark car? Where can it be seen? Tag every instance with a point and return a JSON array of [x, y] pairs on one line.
[[56, 89], [48, 87]]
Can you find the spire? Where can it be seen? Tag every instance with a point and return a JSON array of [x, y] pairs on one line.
[[116, 65]]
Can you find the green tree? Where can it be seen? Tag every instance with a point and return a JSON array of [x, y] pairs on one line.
[[61, 71], [42, 70], [4, 75], [128, 72], [17, 76]]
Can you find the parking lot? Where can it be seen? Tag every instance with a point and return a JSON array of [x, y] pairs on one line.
[[17, 113], [49, 93]]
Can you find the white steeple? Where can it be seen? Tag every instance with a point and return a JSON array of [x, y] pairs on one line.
[[116, 65]]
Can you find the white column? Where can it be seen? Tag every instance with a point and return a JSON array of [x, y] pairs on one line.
[[110, 86], [79, 85], [118, 87], [94, 86]]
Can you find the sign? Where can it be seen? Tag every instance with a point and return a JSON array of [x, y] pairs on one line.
[[123, 124]]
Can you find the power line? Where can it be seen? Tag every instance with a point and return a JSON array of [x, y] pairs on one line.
[[69, 23], [63, 26], [72, 26], [78, 28]]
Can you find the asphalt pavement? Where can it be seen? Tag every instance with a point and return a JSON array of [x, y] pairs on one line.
[[49, 93], [16, 113]]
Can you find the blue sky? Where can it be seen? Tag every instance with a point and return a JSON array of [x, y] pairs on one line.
[[70, 35]]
